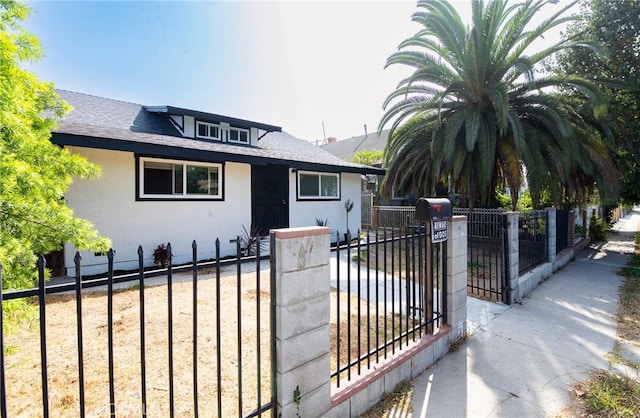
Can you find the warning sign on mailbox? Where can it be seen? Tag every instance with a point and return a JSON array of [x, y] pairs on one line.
[[438, 231]]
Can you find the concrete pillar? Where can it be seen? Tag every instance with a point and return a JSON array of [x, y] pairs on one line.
[[551, 235], [300, 274], [457, 276], [571, 237], [585, 222], [511, 257]]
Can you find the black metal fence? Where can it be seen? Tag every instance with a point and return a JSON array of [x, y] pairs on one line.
[[393, 217], [177, 341], [562, 230], [366, 205], [390, 290], [532, 239], [487, 269]]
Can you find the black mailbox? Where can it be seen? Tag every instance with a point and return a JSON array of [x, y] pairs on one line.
[[429, 209]]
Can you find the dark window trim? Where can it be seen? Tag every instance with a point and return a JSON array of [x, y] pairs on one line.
[[140, 198], [318, 199]]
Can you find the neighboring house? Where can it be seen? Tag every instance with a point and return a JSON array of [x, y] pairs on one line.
[[178, 175], [346, 150]]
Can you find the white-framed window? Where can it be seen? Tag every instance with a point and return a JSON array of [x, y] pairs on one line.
[[208, 130], [173, 179], [318, 186], [224, 132], [238, 135]]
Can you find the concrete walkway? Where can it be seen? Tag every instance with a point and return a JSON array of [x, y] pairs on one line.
[[520, 361]]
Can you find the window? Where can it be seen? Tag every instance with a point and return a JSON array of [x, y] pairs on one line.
[[239, 135], [208, 131], [168, 179], [318, 185], [222, 132]]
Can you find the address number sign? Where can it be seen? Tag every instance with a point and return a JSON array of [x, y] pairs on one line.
[[438, 231]]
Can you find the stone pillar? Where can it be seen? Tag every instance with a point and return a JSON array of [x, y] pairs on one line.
[[457, 276], [512, 248], [300, 281], [551, 235]]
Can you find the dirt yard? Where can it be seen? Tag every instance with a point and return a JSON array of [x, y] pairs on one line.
[[22, 354], [23, 363]]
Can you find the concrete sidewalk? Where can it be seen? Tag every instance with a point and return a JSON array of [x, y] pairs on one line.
[[520, 361]]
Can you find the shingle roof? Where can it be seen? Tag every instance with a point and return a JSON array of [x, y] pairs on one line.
[[346, 148], [98, 122]]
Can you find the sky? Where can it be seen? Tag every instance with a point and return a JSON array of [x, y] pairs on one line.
[[314, 68]]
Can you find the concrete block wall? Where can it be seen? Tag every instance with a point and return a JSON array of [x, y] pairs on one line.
[[457, 277], [512, 260], [523, 285], [551, 235], [301, 276], [300, 272]]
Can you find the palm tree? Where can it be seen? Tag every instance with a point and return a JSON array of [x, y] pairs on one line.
[[477, 113]]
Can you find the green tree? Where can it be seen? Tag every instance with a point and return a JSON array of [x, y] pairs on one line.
[[476, 110], [369, 158], [616, 26], [34, 173]]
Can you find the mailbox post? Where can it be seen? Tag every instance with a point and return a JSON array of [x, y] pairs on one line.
[[435, 213]]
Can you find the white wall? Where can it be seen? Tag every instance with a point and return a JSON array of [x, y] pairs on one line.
[[110, 203], [304, 213]]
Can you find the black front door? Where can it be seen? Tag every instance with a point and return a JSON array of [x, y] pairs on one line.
[[269, 197]]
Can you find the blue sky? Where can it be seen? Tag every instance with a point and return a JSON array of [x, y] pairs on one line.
[[291, 64]]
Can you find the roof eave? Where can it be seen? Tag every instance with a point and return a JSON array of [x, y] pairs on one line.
[[167, 151]]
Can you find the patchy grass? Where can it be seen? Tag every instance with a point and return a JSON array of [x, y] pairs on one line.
[[607, 394], [22, 347], [474, 265], [23, 356], [399, 255], [616, 356], [398, 400], [629, 310], [371, 332]]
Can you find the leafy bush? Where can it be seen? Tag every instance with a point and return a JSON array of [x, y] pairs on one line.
[[598, 229], [503, 200]]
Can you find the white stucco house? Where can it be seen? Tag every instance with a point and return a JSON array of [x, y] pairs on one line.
[[177, 175]]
